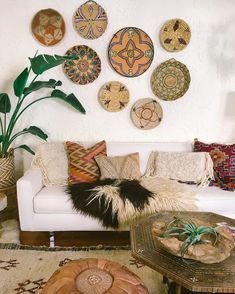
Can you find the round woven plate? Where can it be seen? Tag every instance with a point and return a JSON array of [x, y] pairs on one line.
[[114, 96], [90, 20], [86, 68], [48, 27], [130, 52], [146, 113], [170, 80], [175, 35]]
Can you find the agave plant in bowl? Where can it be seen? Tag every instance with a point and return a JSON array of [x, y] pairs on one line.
[[194, 239], [22, 90]]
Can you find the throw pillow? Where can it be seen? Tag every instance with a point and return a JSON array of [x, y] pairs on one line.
[[181, 166], [82, 166], [119, 167], [223, 157], [52, 160]]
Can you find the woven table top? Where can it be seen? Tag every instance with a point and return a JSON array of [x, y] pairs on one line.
[[194, 276]]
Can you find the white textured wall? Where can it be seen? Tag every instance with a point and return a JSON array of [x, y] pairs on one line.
[[207, 111]]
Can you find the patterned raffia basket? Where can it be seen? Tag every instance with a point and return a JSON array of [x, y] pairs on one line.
[[7, 172]]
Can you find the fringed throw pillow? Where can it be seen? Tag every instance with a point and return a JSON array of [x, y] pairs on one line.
[[52, 160], [223, 157], [119, 167], [82, 166], [181, 166]]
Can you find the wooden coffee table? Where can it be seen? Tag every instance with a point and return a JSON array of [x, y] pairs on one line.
[[187, 276]]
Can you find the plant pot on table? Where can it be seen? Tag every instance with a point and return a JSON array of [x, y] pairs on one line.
[[7, 172], [208, 251]]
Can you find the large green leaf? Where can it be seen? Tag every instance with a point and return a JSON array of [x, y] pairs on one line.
[[44, 62], [70, 99], [1, 138], [42, 84], [58, 94], [27, 148], [5, 104], [36, 132], [20, 82]]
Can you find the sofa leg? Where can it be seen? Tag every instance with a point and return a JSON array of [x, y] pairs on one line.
[[52, 239]]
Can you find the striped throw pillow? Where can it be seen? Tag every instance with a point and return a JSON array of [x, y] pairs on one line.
[[82, 166]]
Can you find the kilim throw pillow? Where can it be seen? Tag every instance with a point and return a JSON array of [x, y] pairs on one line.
[[223, 157], [82, 166], [119, 167]]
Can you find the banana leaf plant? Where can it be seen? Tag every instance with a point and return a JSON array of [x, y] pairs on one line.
[[22, 90]]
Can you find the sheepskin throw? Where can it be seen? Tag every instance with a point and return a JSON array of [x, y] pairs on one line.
[[182, 166], [118, 202]]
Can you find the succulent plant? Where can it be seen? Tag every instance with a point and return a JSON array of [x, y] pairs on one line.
[[189, 233]]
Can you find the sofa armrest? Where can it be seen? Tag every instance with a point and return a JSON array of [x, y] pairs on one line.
[[27, 187]]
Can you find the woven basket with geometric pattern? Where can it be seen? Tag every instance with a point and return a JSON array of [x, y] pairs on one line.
[[7, 172]]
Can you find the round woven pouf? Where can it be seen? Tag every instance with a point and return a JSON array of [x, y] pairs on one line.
[[92, 275]]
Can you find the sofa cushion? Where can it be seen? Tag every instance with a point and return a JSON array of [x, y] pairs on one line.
[[214, 200], [51, 159], [223, 157], [119, 167], [182, 166], [82, 166], [144, 149], [54, 200]]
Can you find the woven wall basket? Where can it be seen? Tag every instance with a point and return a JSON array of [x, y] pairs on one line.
[[7, 172], [170, 80]]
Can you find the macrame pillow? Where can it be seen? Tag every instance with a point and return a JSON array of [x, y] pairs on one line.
[[52, 160], [223, 157], [82, 166], [181, 166], [119, 167]]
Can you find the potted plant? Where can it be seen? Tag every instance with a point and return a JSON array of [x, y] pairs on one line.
[[194, 239], [22, 89]]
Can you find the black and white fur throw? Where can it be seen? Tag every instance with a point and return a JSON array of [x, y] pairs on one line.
[[118, 202], [110, 200]]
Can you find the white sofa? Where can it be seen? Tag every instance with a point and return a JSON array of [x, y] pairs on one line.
[[50, 209]]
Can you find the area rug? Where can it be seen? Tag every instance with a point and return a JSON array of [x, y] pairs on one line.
[[25, 269], [10, 231]]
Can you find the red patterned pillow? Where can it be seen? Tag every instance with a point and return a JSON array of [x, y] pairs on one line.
[[82, 166], [223, 157]]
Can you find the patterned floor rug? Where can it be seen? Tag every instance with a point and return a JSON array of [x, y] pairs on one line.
[[25, 269], [9, 231]]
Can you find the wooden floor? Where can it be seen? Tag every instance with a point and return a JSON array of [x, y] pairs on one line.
[[77, 239], [11, 211]]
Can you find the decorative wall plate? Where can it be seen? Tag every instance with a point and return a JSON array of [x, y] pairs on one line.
[[175, 35], [48, 27], [90, 20], [86, 68], [146, 113], [170, 80], [130, 52], [113, 96]]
